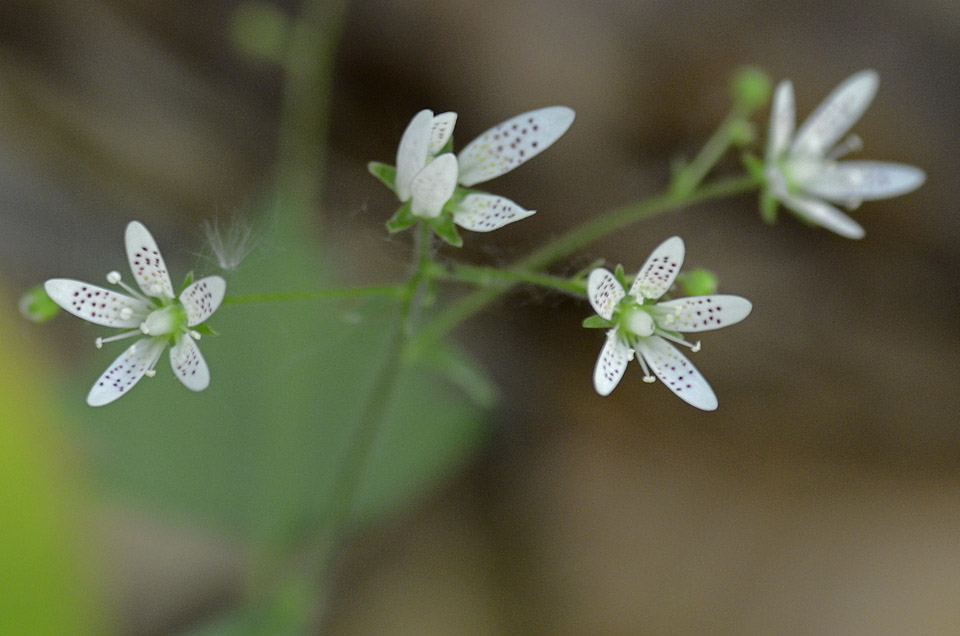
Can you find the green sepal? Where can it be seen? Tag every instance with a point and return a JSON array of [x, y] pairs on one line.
[[621, 276], [597, 322], [768, 207], [188, 279], [402, 219], [205, 329], [385, 173], [444, 228], [755, 166]]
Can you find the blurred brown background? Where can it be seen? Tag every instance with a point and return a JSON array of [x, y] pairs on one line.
[[824, 495]]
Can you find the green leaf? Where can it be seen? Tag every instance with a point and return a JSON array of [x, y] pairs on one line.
[[402, 219], [444, 228], [597, 322], [386, 174]]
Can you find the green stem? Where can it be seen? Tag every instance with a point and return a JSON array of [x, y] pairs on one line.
[[574, 240], [397, 291], [493, 277], [717, 145]]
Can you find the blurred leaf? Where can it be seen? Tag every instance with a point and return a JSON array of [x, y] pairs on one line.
[[260, 449], [287, 613], [44, 589]]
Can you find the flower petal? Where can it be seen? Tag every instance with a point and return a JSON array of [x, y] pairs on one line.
[[508, 144], [604, 292], [611, 364], [482, 212], [126, 371], [201, 298], [433, 186], [850, 182], [441, 128], [146, 263], [96, 304], [782, 120], [412, 151], [836, 114], [188, 365], [661, 269], [704, 313], [825, 215], [674, 370]]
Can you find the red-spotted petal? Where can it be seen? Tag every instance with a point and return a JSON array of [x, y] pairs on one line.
[[126, 371], [188, 365], [611, 364], [507, 145], [661, 269], [704, 313], [674, 370], [96, 304], [782, 120], [433, 186], [412, 151], [850, 182], [201, 298], [483, 212], [836, 114], [441, 128], [825, 215], [604, 291], [146, 263]]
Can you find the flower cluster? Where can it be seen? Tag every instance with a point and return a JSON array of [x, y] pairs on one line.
[[639, 324], [802, 172], [434, 184], [154, 312]]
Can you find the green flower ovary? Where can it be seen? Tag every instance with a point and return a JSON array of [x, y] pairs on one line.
[[167, 320]]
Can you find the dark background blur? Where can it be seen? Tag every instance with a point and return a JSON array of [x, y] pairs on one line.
[[823, 497]]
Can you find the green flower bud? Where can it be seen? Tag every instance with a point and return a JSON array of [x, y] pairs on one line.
[[36, 306], [260, 30], [751, 88], [698, 282]]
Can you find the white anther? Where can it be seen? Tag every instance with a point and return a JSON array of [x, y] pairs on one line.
[[144, 328], [156, 288], [194, 334], [649, 379], [150, 373], [125, 313], [695, 347], [113, 277], [99, 343]]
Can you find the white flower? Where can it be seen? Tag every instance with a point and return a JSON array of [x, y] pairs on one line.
[[641, 325], [429, 181], [802, 172], [156, 313]]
